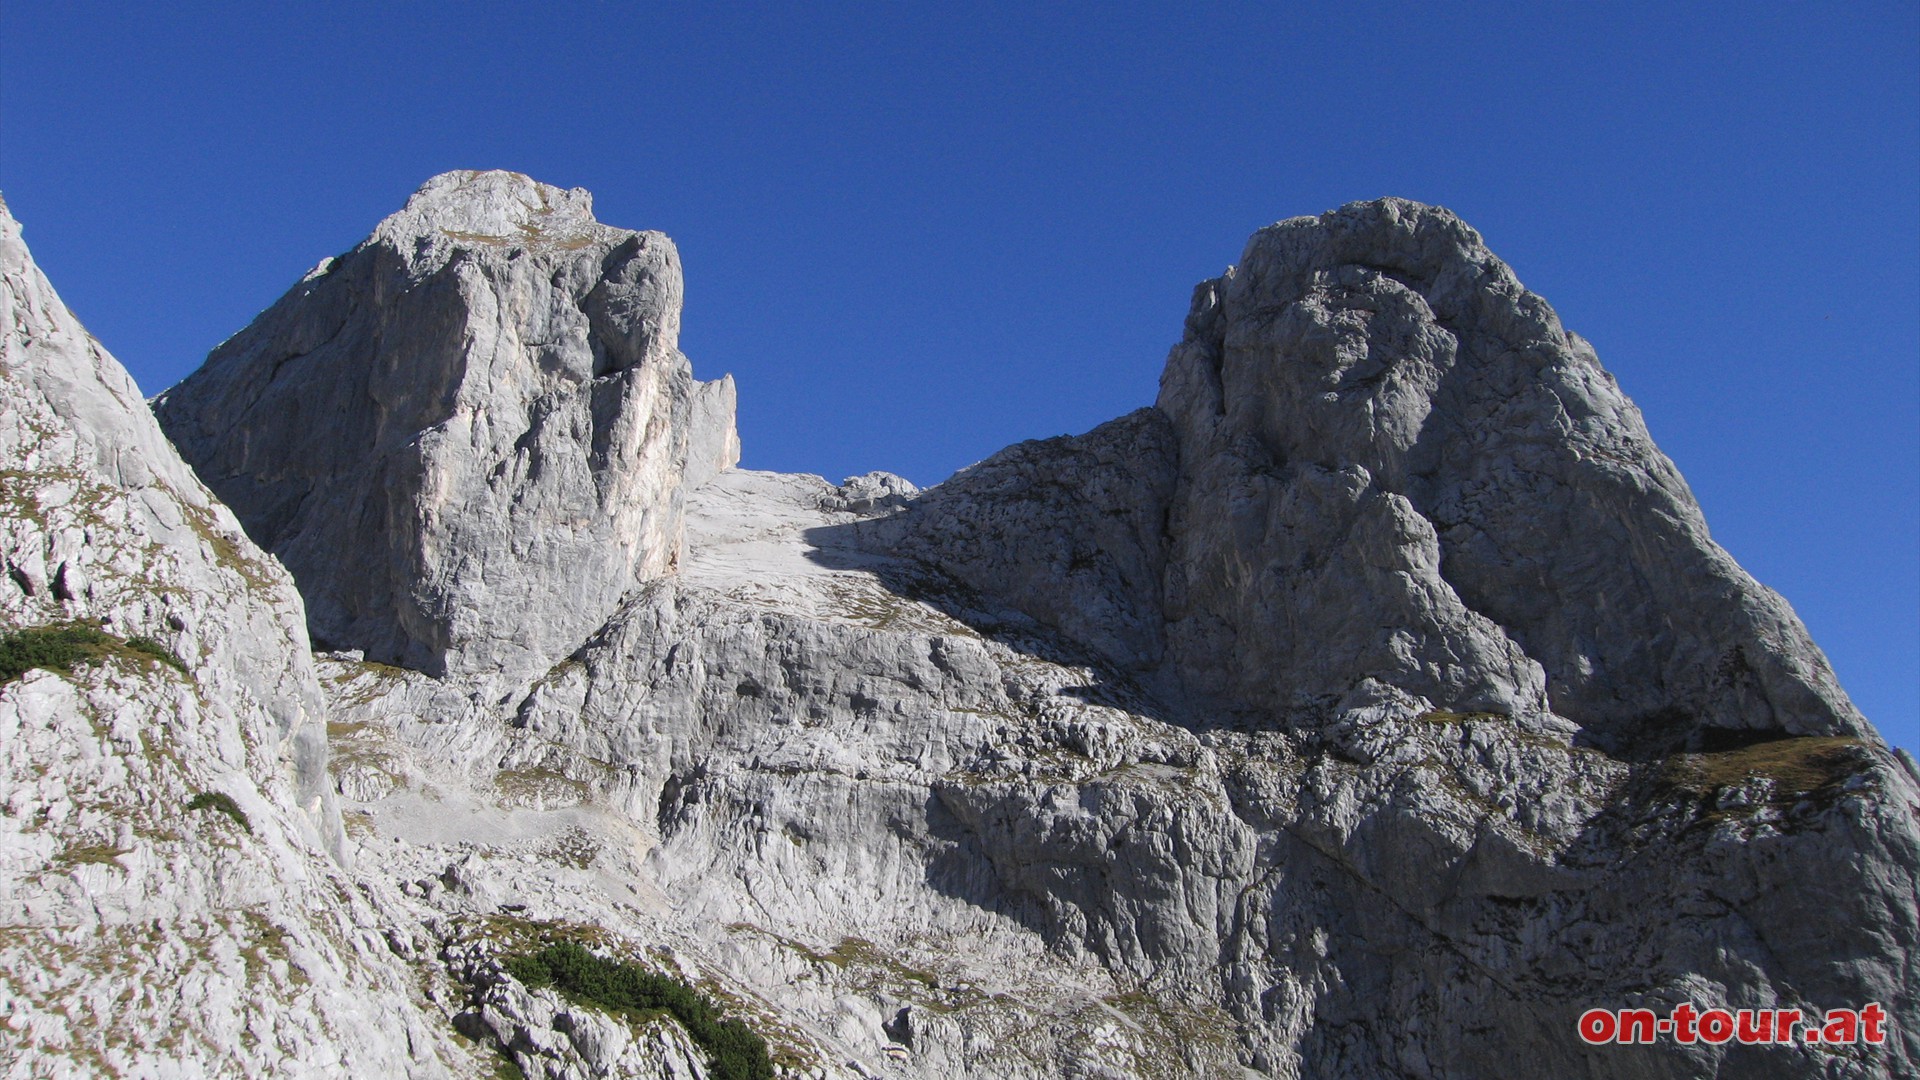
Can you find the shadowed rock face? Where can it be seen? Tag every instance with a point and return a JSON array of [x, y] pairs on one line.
[[1389, 471], [469, 437]]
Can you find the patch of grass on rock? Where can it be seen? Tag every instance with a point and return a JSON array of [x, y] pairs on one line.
[[733, 1051], [222, 802], [53, 648], [62, 647], [1794, 767]]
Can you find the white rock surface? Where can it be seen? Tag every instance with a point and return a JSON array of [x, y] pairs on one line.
[[469, 438], [138, 936]]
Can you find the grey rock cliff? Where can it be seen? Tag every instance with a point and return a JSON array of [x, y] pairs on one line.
[[469, 437], [948, 840], [1373, 381], [1378, 462]]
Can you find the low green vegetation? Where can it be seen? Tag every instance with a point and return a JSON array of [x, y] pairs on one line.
[[733, 1051], [1448, 716], [141, 643], [54, 648], [223, 803], [63, 646]]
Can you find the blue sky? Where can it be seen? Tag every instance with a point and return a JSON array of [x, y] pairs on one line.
[[916, 233]]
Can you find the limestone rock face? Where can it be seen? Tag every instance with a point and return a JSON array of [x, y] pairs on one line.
[[1071, 531], [173, 877], [1372, 706], [469, 437], [945, 839], [1374, 416]]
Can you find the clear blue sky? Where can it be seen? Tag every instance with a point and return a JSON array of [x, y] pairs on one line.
[[918, 232]]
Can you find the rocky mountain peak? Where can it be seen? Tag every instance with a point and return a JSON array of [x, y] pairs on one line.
[[469, 437], [1375, 704], [1381, 475]]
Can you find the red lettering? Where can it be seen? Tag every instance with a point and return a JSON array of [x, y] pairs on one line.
[[1597, 1026], [1872, 1017], [1683, 1019], [1636, 1026], [1716, 1026], [1752, 1027]]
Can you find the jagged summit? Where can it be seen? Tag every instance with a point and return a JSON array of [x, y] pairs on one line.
[[489, 202], [1380, 475], [465, 208], [1378, 470], [1382, 347]]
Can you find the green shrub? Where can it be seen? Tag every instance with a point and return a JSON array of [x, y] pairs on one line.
[[55, 648], [221, 801], [63, 646], [733, 1051]]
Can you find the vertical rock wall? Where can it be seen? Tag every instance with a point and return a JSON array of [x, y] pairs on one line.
[[469, 437]]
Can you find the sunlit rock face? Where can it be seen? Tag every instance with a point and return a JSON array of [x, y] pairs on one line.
[[470, 436], [1375, 416], [175, 887]]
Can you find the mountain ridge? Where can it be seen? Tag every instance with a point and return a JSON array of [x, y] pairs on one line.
[[1363, 708]]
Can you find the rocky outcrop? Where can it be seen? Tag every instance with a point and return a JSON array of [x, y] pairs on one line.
[[469, 437], [1071, 531], [949, 840], [1373, 387]]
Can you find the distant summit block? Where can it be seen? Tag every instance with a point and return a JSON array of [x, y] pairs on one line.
[[468, 437], [496, 207]]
